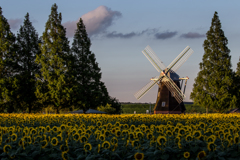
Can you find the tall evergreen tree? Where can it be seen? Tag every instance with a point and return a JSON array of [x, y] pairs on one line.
[[54, 59], [7, 54], [89, 90], [28, 47], [236, 84], [213, 85]]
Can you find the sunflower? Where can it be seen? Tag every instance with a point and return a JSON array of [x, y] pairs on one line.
[[64, 148], [102, 137], [63, 127], [139, 135], [106, 145], [55, 129], [64, 155], [150, 135], [138, 156], [132, 127], [87, 147], [179, 145], [117, 124], [27, 139], [131, 135], [107, 133], [186, 154], [181, 131], [54, 141], [99, 124], [236, 139], [48, 128], [201, 154], [136, 143], [44, 143], [33, 132], [211, 138], [169, 133], [188, 138], [211, 146], [114, 140], [118, 133], [76, 137], [6, 148], [161, 140], [125, 133], [197, 134], [13, 137]]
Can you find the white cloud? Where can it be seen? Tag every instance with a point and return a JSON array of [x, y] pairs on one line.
[[96, 21]]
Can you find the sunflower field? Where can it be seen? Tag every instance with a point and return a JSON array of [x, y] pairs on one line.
[[103, 137]]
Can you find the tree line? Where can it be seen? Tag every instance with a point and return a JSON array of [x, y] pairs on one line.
[[37, 72], [216, 86]]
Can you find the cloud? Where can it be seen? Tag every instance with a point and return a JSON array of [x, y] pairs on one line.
[[15, 23], [192, 35], [96, 21], [165, 35], [114, 34]]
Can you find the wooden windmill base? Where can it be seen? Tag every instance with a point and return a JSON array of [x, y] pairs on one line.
[[166, 103]]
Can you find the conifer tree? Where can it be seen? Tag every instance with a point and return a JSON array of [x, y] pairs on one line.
[[89, 91], [237, 85], [214, 82], [7, 53], [53, 87], [28, 47]]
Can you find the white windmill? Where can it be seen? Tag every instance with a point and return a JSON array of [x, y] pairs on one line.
[[170, 97]]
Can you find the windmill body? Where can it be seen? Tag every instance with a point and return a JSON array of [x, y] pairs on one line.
[[170, 96]]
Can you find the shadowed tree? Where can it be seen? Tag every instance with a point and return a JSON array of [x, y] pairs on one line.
[[89, 90], [28, 47], [214, 82], [8, 96], [53, 87]]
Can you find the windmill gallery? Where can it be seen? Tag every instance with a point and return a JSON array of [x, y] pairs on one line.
[[170, 95]]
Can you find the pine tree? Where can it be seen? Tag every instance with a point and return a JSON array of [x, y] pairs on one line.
[[236, 86], [28, 47], [7, 53], [213, 85], [53, 87], [89, 91]]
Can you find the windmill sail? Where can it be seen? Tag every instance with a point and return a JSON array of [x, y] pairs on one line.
[[154, 60], [180, 59], [138, 95]]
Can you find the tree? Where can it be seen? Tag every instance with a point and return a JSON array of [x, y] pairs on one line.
[[236, 87], [7, 53], [52, 85], [28, 47], [89, 91], [214, 82]]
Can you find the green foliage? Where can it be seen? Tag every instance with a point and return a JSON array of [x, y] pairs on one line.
[[108, 109], [88, 90], [53, 83], [236, 87], [8, 80], [139, 108], [213, 85]]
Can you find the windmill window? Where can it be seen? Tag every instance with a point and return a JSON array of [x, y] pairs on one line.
[[163, 104]]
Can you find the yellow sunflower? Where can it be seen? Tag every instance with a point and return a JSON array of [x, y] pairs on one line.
[[188, 138], [83, 139], [76, 136], [87, 147], [106, 145], [64, 155], [201, 154], [138, 156], [6, 148], [161, 140], [118, 133], [114, 140], [211, 146], [44, 143], [13, 137], [64, 148], [186, 154], [54, 141]]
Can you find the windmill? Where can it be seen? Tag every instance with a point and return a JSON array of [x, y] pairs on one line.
[[170, 96]]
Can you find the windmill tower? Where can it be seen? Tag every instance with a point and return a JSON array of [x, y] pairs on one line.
[[169, 97]]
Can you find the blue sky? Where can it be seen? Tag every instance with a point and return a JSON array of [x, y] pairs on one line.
[[120, 30]]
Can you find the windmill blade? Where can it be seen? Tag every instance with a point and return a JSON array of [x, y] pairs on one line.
[[173, 88], [180, 59], [154, 60], [138, 95]]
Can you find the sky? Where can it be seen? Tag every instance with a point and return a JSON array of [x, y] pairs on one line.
[[120, 30]]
